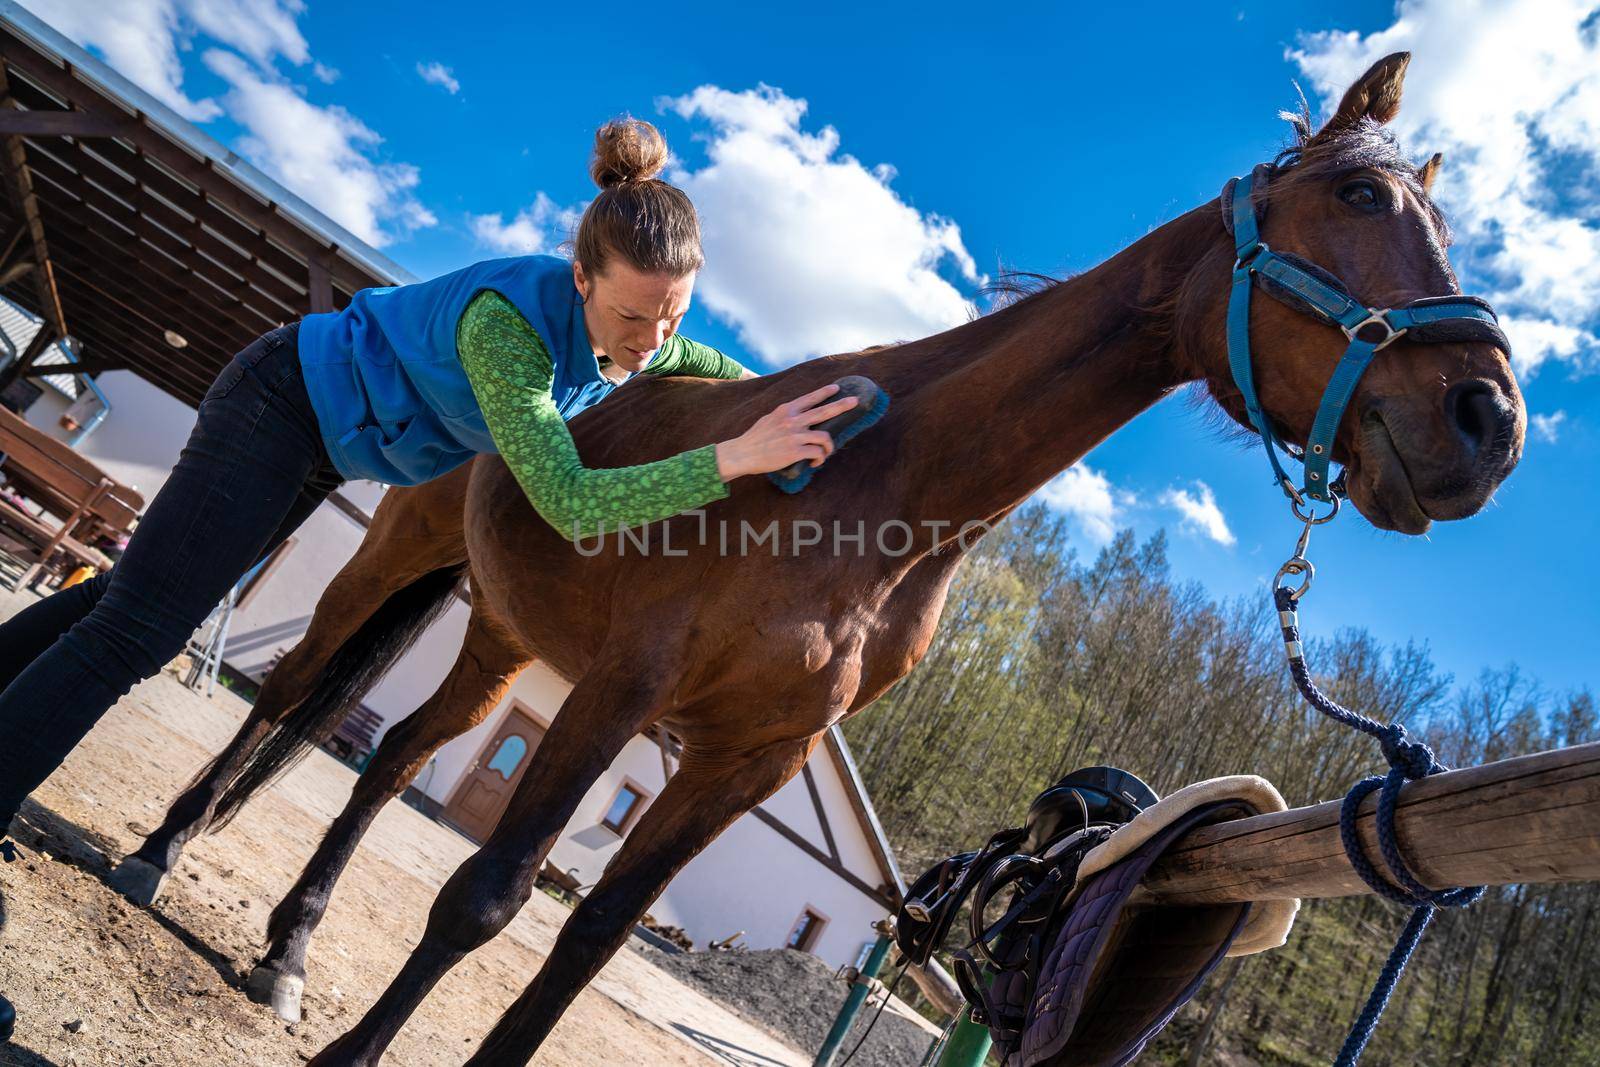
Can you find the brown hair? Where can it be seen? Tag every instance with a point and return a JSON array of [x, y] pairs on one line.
[[637, 216]]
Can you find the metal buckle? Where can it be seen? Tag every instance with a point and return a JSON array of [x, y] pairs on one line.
[[1298, 501], [1375, 317], [1255, 253]]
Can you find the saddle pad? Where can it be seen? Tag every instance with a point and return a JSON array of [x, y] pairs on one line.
[[1116, 972], [1270, 920]]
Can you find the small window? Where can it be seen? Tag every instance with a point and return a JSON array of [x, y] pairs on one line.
[[509, 756], [625, 809], [806, 930]]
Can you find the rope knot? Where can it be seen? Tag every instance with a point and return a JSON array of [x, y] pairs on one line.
[[1414, 759]]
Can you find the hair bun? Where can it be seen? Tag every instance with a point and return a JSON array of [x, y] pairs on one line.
[[627, 150]]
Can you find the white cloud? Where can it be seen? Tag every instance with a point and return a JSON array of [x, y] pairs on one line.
[[140, 38], [261, 29], [1087, 496], [1200, 512], [808, 251], [535, 229], [1547, 428], [321, 153], [437, 73], [1510, 92], [144, 39]]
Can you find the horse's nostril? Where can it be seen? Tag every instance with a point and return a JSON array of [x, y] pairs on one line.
[[1478, 411]]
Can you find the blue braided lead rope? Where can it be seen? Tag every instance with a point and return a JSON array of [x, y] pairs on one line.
[[1409, 760]]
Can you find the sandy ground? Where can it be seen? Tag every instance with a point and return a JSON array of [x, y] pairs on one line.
[[99, 981]]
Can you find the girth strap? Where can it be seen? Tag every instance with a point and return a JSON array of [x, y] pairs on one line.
[[1313, 291]]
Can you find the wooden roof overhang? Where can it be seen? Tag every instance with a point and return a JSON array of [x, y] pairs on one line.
[[124, 227]]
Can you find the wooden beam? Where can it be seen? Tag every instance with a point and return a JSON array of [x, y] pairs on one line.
[[158, 302], [197, 171], [1532, 819], [45, 370], [19, 184], [193, 309], [848, 876], [110, 335], [96, 185], [89, 209], [351, 511], [19, 367], [820, 808], [319, 285], [17, 234], [94, 304], [20, 269], [18, 123], [41, 341], [105, 318]]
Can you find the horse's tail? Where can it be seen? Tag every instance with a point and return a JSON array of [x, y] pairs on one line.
[[354, 669]]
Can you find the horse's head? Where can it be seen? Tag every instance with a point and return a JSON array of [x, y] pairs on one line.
[[1436, 422]]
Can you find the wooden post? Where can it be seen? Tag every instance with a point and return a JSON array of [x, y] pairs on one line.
[[19, 186], [1532, 819], [319, 285]]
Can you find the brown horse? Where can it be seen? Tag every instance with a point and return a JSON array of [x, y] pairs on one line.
[[748, 660]]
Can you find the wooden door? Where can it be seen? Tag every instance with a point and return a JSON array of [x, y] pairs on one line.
[[483, 794]]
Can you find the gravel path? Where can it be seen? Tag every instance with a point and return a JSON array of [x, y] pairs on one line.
[[796, 996]]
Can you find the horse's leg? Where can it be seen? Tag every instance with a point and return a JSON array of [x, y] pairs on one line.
[[700, 801], [412, 533], [142, 875], [608, 706], [482, 673]]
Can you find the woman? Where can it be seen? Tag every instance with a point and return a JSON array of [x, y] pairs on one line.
[[401, 386]]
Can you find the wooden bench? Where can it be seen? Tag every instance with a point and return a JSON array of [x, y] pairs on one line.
[[84, 502], [352, 738]]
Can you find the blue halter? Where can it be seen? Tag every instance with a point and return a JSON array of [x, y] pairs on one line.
[[1308, 288]]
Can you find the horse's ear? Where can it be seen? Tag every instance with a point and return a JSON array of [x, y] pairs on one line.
[[1375, 95], [1430, 171]]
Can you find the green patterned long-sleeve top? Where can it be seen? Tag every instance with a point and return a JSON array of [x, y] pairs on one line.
[[511, 372]]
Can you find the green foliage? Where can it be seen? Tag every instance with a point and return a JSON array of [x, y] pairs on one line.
[[1044, 663]]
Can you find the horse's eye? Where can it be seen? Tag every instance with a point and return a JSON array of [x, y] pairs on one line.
[[1361, 193]]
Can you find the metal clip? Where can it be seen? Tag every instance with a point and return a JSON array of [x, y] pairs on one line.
[[1298, 565], [1375, 317]]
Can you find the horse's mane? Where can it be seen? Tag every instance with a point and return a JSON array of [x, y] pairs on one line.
[[1307, 157]]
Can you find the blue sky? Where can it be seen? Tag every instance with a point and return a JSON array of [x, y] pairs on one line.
[[938, 143]]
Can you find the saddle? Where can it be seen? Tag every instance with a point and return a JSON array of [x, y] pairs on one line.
[[1072, 971]]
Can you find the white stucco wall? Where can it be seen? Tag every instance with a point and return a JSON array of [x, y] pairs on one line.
[[138, 442], [751, 878]]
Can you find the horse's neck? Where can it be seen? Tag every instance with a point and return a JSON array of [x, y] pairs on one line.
[[1002, 405]]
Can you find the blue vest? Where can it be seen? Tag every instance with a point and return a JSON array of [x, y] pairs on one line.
[[386, 383]]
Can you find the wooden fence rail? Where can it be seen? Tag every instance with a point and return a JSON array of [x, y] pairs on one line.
[[1532, 819]]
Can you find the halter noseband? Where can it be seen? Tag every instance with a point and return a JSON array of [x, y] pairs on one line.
[[1308, 288]]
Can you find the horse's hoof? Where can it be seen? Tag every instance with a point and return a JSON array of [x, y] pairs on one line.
[[139, 880], [282, 991], [8, 1020]]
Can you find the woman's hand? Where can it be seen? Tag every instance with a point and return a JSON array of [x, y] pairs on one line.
[[783, 436]]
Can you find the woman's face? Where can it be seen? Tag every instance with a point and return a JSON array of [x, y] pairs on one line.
[[630, 314]]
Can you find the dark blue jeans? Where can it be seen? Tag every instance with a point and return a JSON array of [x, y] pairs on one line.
[[253, 470]]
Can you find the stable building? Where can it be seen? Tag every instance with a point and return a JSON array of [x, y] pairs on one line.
[[137, 255]]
